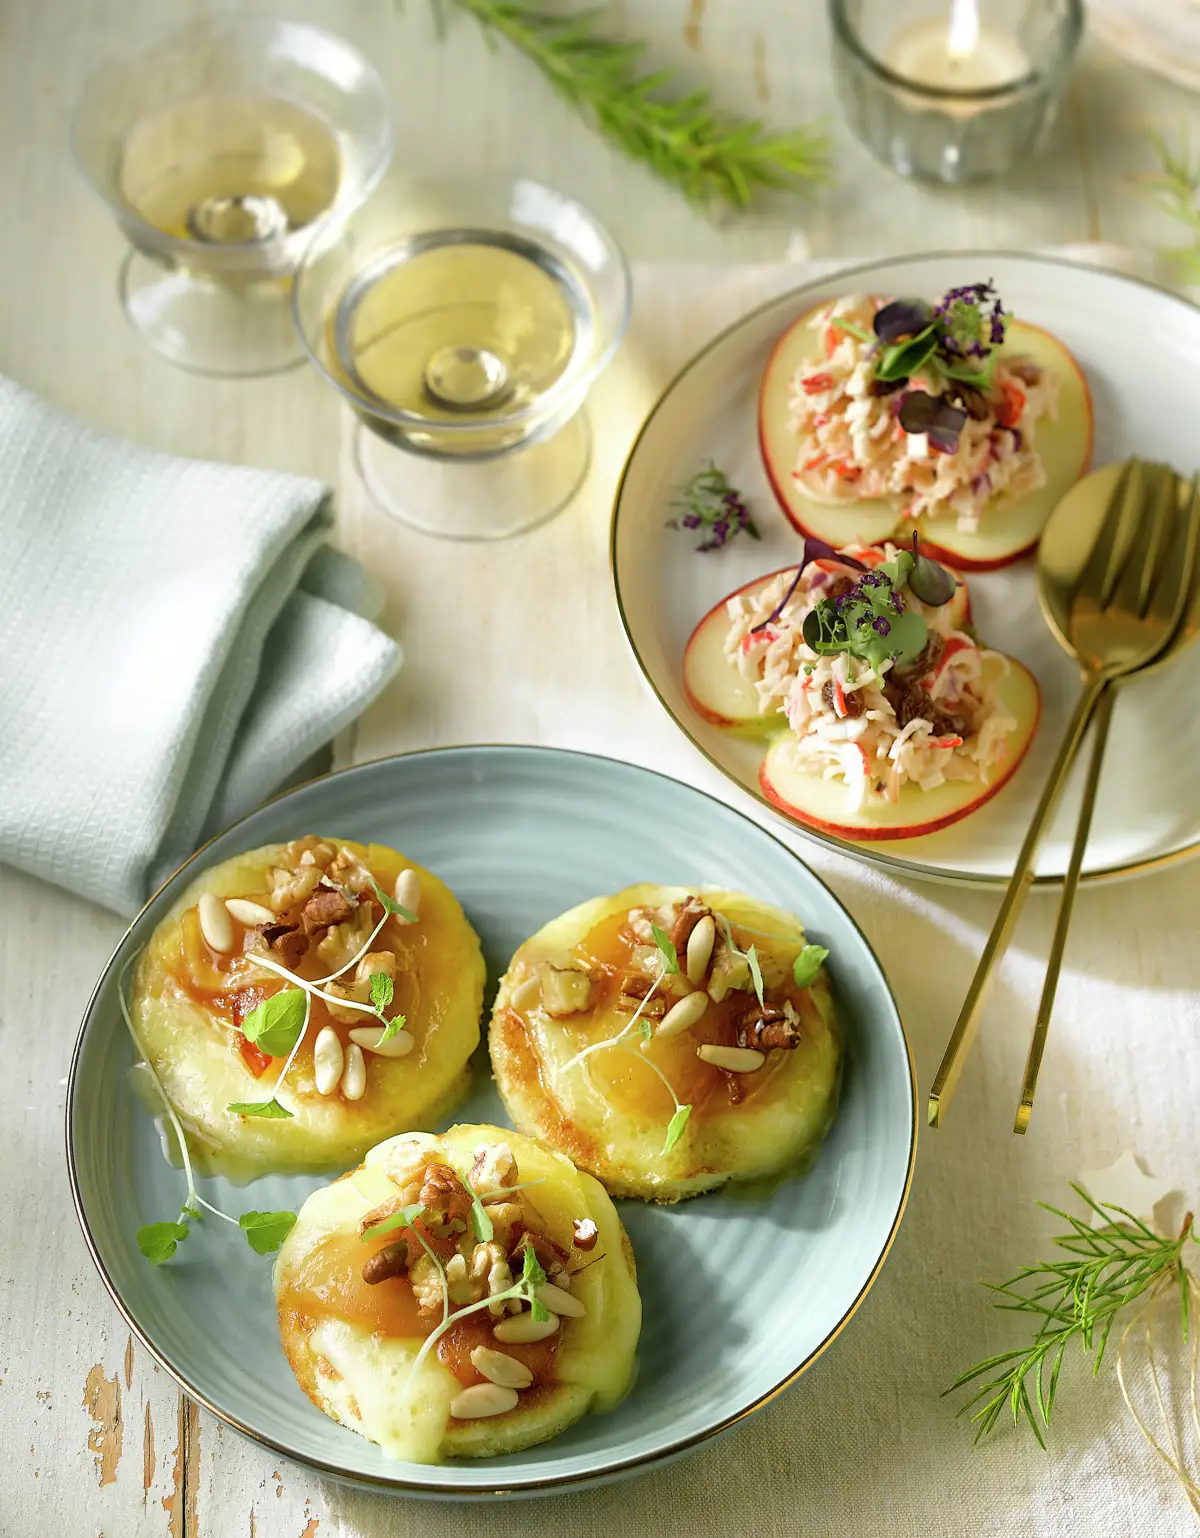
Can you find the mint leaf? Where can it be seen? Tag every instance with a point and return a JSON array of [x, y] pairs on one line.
[[645, 1030], [275, 1026], [266, 1231], [392, 1027], [405, 1218], [756, 976], [158, 1241], [390, 905], [807, 964], [484, 1228], [669, 954], [383, 990], [270, 1110], [675, 1127]]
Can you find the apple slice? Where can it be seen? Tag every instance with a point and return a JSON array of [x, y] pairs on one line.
[[824, 804], [1007, 529], [716, 690]]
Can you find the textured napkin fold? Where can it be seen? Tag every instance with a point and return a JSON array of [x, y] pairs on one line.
[[176, 638]]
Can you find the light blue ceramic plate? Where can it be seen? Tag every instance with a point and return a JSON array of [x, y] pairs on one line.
[[740, 1293]]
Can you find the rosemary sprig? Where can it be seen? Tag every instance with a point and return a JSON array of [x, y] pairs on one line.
[[1176, 190], [709, 156], [1077, 1297]]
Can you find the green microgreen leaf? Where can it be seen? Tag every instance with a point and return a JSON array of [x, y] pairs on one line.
[[675, 1127], [485, 1229], [856, 331], [390, 905], [645, 1030], [158, 1241], [533, 1277], [405, 1218], [903, 359], [275, 1026], [269, 1110], [266, 1231], [669, 954], [710, 504], [756, 976], [383, 991], [808, 964]]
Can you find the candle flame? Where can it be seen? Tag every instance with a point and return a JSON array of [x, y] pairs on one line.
[[963, 35]]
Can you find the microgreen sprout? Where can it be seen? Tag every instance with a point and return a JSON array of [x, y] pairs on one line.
[[484, 1228], [814, 550], [626, 1030], [808, 964], [669, 954], [679, 1119], [391, 907], [265, 1231], [710, 503]]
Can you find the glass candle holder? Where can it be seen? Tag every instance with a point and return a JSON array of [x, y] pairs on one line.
[[953, 90], [464, 321], [221, 150]]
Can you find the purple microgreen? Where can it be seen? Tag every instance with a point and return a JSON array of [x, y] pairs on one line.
[[928, 580], [902, 318], [814, 550], [921, 412], [710, 503]]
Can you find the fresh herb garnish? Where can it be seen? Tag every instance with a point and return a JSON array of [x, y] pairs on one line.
[[932, 415], [670, 955], [710, 503], [269, 1110], [675, 1127], [807, 964], [266, 1231], [158, 1241], [533, 1277], [869, 622], [276, 1023], [390, 905], [383, 991], [1176, 190], [1078, 1298], [756, 976], [480, 1220], [404, 1218], [928, 580], [814, 550]]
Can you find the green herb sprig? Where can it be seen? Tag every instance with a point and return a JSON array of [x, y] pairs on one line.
[[709, 156], [1076, 1296], [708, 502], [1175, 187]]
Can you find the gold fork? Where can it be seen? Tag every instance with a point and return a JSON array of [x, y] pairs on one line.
[[1113, 596], [1168, 604]]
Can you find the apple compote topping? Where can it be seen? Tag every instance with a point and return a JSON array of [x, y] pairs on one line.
[[462, 1263], [315, 933]]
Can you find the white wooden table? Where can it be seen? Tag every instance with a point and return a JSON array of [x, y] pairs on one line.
[[96, 1440]]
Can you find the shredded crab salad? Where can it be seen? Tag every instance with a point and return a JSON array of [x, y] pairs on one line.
[[878, 725], [854, 445]]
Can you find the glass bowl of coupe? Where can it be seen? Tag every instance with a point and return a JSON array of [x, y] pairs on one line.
[[220, 150], [464, 322]]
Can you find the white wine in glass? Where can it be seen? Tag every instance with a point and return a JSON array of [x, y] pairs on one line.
[[221, 151], [464, 322]]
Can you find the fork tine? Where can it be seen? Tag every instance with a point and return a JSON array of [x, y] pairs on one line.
[[1096, 577], [1148, 552], [1172, 596]]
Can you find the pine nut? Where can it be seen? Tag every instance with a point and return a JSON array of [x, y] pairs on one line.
[[215, 924], [248, 913], [368, 1038], [408, 893], [733, 1059], [700, 949], [483, 1399], [501, 1369], [328, 1060], [682, 1016], [559, 1301], [523, 1329], [525, 995], [354, 1079]]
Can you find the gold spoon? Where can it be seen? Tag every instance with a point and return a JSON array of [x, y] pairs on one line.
[[1123, 599]]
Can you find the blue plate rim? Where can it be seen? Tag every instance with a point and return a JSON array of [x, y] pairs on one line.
[[430, 1488]]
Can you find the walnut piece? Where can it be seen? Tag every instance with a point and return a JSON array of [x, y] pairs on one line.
[[769, 1027], [687, 916], [426, 1283], [290, 887], [288, 941], [342, 941], [494, 1168], [326, 906], [445, 1200], [585, 1232], [348, 870], [634, 988]]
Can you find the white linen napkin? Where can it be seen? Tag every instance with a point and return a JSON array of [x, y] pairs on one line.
[[176, 638]]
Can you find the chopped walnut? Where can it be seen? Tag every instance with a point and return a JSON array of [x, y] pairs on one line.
[[585, 1232], [463, 1287], [634, 988], [445, 1200], [342, 941], [506, 1218], [728, 972], [373, 962], [769, 1027], [347, 869], [687, 916], [566, 991], [494, 1168], [406, 1158], [384, 1210], [426, 1282], [551, 1259], [290, 887], [288, 941], [308, 850], [326, 906]]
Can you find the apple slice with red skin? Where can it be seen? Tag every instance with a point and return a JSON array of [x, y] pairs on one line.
[[716, 690], [1008, 529], [823, 804]]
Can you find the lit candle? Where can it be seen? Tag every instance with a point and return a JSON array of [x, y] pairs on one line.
[[957, 53]]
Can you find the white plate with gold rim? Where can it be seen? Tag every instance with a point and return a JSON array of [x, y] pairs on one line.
[[1137, 345]]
